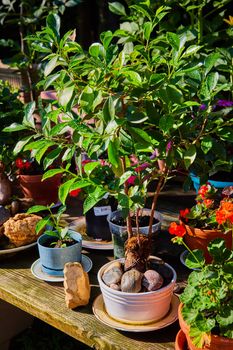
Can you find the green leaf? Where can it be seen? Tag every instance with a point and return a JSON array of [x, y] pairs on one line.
[[51, 79], [54, 23], [133, 77], [65, 95], [147, 29], [80, 184], [20, 144], [195, 260], [28, 115], [86, 99], [97, 50], [173, 40], [206, 144], [189, 156], [41, 224], [191, 50], [51, 157], [51, 173], [113, 153], [64, 190], [140, 135], [89, 167], [166, 123], [211, 80], [106, 38], [117, 8], [226, 133], [210, 61], [15, 127], [50, 66], [37, 209], [108, 109]]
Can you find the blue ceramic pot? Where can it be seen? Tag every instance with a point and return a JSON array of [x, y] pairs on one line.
[[53, 259], [217, 184]]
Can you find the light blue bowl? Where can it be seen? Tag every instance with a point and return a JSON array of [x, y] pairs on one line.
[[53, 259], [216, 184]]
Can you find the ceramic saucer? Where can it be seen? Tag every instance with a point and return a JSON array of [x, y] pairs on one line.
[[102, 315], [79, 225], [38, 273], [18, 249], [183, 257]]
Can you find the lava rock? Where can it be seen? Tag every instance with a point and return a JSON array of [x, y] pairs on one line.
[[113, 274], [152, 280], [131, 281]]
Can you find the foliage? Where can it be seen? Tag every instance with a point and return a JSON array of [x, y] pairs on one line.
[[208, 298], [28, 16], [11, 110], [139, 91], [55, 226], [213, 210]]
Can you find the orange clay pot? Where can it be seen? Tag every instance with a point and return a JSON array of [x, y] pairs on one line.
[[196, 238], [181, 341], [42, 192], [216, 342]]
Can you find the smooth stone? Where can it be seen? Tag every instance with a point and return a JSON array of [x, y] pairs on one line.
[[152, 280], [115, 286], [131, 281], [113, 274]]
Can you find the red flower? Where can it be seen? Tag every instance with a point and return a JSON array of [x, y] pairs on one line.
[[75, 193], [131, 180], [178, 230], [27, 165], [19, 163], [208, 202], [184, 213], [203, 190]]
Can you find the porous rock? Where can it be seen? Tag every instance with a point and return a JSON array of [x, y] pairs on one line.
[[113, 273], [115, 286], [152, 280], [76, 285], [131, 281]]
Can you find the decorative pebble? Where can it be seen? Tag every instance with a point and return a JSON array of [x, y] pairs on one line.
[[115, 286], [131, 281], [113, 274], [152, 280]]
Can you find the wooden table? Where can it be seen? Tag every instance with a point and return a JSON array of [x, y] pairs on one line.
[[45, 300]]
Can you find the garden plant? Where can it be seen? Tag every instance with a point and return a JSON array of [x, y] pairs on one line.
[[146, 92]]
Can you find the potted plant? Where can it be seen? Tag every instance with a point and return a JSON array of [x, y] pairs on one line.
[[58, 244], [138, 97], [210, 218], [206, 303]]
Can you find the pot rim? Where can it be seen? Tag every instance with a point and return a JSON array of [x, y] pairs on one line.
[[73, 233], [157, 215], [120, 293]]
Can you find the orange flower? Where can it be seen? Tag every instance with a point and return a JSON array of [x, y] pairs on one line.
[[176, 229], [229, 21], [225, 212]]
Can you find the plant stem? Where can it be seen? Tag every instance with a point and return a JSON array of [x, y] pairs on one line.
[[200, 25], [190, 251], [154, 203], [128, 219]]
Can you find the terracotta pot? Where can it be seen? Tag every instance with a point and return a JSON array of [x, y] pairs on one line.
[[196, 238], [216, 342], [42, 192], [181, 341]]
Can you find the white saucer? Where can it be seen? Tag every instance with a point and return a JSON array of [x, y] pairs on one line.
[[18, 249], [183, 257], [102, 315], [36, 270]]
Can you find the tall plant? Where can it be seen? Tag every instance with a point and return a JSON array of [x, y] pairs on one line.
[[136, 92]]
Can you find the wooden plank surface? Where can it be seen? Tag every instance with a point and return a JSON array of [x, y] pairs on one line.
[[46, 300]]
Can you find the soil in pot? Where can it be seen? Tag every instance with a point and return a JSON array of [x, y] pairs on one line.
[[53, 243], [224, 176], [143, 221]]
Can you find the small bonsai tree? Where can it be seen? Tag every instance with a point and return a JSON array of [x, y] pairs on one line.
[[138, 92]]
